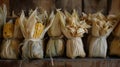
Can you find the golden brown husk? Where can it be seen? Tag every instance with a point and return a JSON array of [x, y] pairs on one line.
[[101, 28], [33, 32], [73, 28], [55, 46], [10, 44]]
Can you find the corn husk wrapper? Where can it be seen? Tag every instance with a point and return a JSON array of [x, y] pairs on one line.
[[17, 29], [10, 49], [3, 14], [101, 28], [73, 28], [55, 46], [32, 45], [10, 45]]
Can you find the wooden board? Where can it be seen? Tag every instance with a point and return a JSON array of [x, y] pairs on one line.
[[26, 5], [69, 5], [92, 6], [94, 62], [115, 7], [88, 6]]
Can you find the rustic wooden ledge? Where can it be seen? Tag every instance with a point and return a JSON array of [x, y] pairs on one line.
[[82, 62]]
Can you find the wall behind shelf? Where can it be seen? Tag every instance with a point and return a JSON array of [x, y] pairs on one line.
[[88, 6]]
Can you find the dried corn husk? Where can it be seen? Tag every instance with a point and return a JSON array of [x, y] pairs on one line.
[[3, 14], [18, 33], [33, 44], [73, 28], [55, 46], [10, 45], [10, 49], [55, 26], [101, 29], [8, 30]]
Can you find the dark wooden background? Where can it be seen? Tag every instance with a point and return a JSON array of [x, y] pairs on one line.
[[87, 6]]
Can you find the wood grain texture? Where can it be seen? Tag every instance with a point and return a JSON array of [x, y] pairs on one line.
[[26, 5], [9, 63], [92, 6], [18, 5], [88, 6], [94, 62], [69, 5], [115, 7]]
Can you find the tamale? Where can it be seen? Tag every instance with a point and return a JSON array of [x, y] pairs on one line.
[[55, 46], [10, 44], [33, 31], [10, 49], [102, 26], [73, 28]]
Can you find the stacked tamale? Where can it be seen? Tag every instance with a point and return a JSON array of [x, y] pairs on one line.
[[55, 46], [102, 26], [10, 44], [24, 37], [33, 31], [73, 28]]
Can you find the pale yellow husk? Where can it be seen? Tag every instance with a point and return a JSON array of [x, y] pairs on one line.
[[10, 49], [11, 43], [3, 14], [101, 28], [73, 28], [55, 46], [33, 32], [17, 30]]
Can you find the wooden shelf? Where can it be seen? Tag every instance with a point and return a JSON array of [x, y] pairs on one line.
[[62, 62]]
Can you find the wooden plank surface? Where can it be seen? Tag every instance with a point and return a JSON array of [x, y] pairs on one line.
[[115, 7], [18, 5], [87, 62], [88, 6], [26, 5], [92, 6], [69, 5]]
